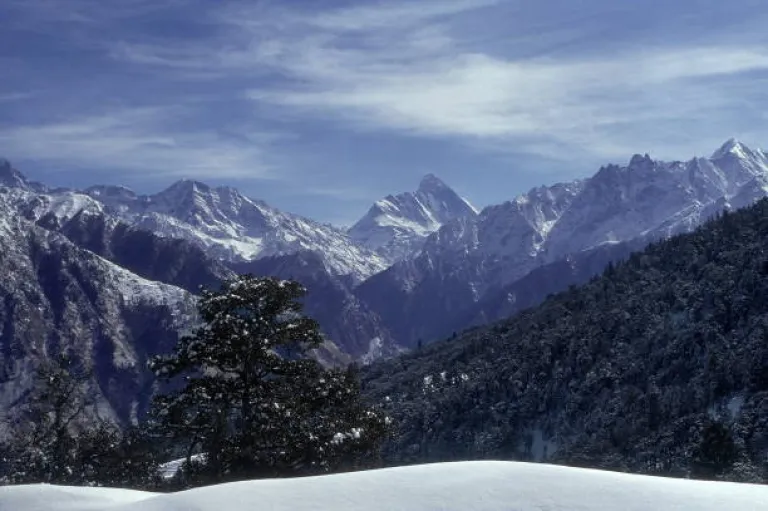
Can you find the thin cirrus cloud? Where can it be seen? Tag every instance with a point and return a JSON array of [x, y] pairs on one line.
[[136, 140], [277, 90], [15, 96], [40, 12], [413, 69]]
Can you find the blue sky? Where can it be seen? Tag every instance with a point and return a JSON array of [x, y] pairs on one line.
[[321, 107]]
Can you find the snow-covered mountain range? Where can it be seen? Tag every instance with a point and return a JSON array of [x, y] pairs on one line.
[[471, 258], [230, 226], [417, 263], [645, 198], [221, 221], [59, 297]]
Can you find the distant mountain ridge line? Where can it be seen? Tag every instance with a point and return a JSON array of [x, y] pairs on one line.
[[421, 263], [475, 268], [469, 259]]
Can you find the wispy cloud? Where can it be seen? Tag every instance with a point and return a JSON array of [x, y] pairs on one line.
[[473, 95], [140, 141], [15, 96], [84, 11], [376, 86], [382, 15], [413, 68]]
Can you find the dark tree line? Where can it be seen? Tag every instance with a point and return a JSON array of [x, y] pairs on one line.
[[241, 399], [54, 440], [660, 365]]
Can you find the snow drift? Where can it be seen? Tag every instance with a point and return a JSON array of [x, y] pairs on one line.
[[466, 486]]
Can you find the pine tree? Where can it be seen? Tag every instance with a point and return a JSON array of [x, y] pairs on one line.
[[246, 394], [108, 456], [43, 447]]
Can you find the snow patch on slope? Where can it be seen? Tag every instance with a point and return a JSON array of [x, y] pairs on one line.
[[137, 290]]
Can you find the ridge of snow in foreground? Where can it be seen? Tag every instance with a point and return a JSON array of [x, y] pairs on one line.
[[463, 486]]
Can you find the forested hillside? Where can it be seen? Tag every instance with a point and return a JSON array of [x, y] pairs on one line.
[[659, 365]]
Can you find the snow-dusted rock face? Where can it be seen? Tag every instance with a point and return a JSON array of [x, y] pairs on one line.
[[645, 198], [656, 198], [99, 221], [9, 176], [232, 227], [473, 257], [397, 226], [225, 224], [58, 297]]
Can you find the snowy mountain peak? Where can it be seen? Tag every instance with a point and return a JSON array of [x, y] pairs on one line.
[[231, 226], [432, 183], [731, 146], [739, 165], [397, 225], [221, 221], [183, 188]]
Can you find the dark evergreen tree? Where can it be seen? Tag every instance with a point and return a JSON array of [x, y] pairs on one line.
[[716, 452], [107, 456], [245, 393], [43, 446]]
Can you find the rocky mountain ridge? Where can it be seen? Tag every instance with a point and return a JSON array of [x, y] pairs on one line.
[[59, 298], [99, 226], [471, 258], [453, 267]]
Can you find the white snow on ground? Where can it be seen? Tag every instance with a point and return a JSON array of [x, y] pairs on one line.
[[467, 486], [39, 497]]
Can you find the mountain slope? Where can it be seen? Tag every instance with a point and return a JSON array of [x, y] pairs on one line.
[[100, 226], [543, 281], [11, 177], [172, 261], [343, 319], [232, 227], [57, 297], [660, 365], [464, 260], [397, 226], [471, 259]]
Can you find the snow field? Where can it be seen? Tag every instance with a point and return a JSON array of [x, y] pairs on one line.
[[465, 486]]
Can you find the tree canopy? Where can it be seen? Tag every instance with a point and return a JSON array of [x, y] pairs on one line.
[[243, 390]]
